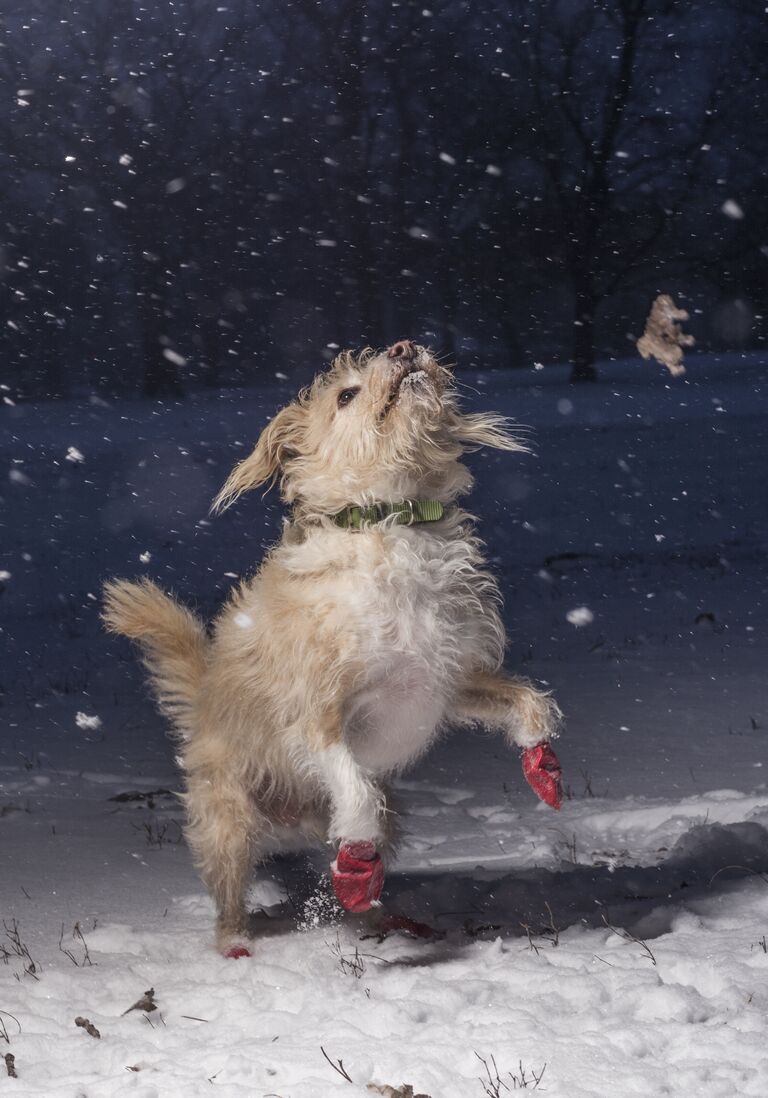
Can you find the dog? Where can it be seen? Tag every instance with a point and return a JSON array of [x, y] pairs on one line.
[[372, 624]]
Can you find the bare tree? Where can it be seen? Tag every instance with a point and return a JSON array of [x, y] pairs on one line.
[[192, 192], [625, 96], [114, 124]]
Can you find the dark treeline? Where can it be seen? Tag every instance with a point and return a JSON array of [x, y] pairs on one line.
[[199, 193]]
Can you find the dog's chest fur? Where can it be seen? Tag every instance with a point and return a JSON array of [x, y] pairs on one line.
[[421, 611]]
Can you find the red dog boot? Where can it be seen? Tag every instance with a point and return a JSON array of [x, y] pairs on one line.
[[542, 771], [235, 952], [357, 876], [394, 924]]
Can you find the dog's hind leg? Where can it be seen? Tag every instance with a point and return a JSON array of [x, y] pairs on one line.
[[223, 830]]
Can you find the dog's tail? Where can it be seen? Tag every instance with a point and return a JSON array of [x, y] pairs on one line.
[[173, 643]]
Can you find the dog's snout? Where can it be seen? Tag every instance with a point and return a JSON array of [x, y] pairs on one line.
[[404, 349]]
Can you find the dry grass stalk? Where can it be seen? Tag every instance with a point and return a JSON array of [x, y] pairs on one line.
[[4, 1034], [18, 948], [625, 934]]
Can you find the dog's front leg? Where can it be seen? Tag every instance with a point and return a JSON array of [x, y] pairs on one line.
[[357, 809], [357, 806], [529, 719], [527, 716]]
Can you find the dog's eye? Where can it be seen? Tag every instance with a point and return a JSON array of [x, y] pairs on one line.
[[347, 395]]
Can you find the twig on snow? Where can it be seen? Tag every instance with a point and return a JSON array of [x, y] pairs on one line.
[[146, 1003], [625, 934], [338, 1066]]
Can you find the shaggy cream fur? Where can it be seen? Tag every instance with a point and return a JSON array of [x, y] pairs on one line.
[[340, 661]]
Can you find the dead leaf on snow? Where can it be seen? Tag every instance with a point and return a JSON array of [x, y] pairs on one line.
[[405, 1091], [146, 1003]]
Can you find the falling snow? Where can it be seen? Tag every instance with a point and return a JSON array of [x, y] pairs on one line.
[[87, 721], [579, 616], [622, 908], [732, 209], [202, 205]]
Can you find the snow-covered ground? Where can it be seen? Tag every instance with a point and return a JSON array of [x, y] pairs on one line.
[[618, 947]]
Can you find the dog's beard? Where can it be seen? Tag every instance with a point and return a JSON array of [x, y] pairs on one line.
[[416, 379], [420, 403], [414, 394]]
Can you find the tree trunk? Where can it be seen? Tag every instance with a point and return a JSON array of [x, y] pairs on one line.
[[512, 349], [210, 343], [161, 378], [354, 149], [583, 368], [160, 373], [596, 197], [446, 277]]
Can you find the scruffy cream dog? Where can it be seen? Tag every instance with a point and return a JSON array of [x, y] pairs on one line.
[[371, 624]]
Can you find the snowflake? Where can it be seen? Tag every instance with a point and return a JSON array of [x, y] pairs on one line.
[[86, 720], [579, 616]]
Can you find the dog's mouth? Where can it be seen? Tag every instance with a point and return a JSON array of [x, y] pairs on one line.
[[406, 375], [414, 377]]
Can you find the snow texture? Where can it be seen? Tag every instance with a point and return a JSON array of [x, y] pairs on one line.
[[619, 945]]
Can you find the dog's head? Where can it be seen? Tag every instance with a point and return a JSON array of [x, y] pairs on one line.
[[379, 426]]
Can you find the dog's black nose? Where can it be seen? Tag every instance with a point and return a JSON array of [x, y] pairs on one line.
[[404, 348]]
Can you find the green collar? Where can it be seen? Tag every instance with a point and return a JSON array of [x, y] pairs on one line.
[[406, 512]]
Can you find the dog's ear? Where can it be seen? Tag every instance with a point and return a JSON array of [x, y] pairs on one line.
[[279, 440], [485, 429]]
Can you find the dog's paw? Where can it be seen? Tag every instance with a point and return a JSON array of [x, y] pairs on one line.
[[541, 767], [357, 876], [536, 717]]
